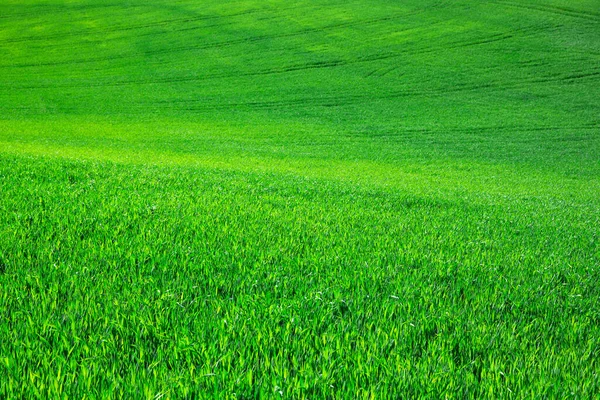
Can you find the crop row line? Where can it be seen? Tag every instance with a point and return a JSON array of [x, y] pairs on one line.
[[221, 44], [78, 33], [303, 66], [552, 9], [186, 20], [335, 101]]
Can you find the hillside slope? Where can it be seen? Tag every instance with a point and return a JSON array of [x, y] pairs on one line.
[[310, 199], [501, 82]]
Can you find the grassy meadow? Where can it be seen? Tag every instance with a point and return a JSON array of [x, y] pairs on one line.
[[310, 199]]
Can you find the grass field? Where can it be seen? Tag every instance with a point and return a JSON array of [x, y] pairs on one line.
[[310, 199]]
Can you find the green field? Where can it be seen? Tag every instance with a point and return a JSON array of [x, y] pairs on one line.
[[309, 199]]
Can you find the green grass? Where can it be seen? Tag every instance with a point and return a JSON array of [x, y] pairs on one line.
[[316, 199]]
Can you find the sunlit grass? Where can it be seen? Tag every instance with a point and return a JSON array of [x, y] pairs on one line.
[[311, 200]]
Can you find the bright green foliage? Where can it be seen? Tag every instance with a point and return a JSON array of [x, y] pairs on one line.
[[310, 199]]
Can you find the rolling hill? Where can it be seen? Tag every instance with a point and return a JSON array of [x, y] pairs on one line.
[[310, 199]]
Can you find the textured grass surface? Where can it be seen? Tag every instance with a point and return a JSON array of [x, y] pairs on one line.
[[312, 200]]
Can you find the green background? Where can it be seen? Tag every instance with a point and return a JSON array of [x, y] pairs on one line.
[[310, 199]]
